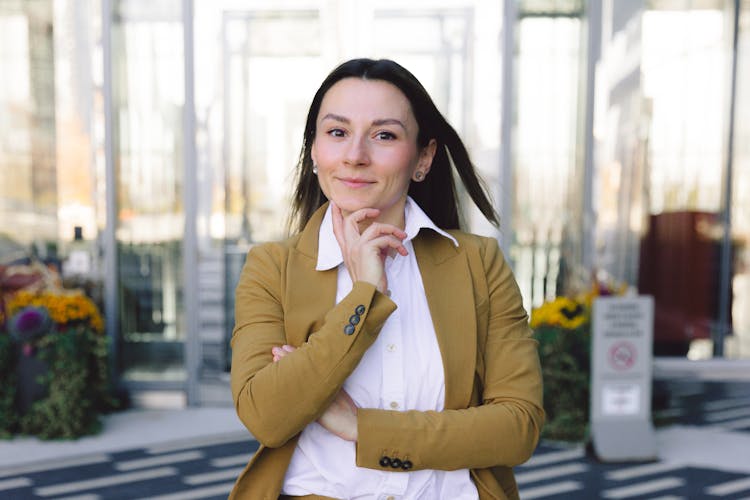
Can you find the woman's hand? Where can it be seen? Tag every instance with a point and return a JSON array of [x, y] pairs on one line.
[[341, 417], [365, 252]]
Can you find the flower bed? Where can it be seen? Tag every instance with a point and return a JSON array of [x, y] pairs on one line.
[[53, 363], [563, 328]]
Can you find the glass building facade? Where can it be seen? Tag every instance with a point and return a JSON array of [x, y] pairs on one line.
[[614, 137]]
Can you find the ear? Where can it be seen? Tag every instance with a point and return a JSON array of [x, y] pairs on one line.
[[312, 154], [426, 155]]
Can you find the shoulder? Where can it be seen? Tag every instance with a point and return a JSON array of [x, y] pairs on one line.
[[281, 247], [486, 246], [271, 255]]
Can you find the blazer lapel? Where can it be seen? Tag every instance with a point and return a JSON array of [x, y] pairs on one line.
[[450, 295], [309, 294]]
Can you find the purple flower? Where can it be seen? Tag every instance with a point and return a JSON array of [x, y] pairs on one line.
[[30, 323]]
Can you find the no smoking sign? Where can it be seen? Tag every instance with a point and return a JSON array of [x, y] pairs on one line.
[[622, 355]]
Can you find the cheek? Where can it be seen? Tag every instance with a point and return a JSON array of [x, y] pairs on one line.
[[402, 165]]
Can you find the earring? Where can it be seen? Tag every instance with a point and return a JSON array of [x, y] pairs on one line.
[[418, 176], [315, 169]]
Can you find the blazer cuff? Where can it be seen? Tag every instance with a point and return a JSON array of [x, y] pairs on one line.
[[363, 311], [371, 450]]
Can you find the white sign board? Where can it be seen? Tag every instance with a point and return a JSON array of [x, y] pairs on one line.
[[621, 374]]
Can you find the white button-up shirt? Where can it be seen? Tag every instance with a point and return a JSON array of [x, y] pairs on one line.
[[402, 370]]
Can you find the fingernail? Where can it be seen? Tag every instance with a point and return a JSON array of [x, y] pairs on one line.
[[287, 348]]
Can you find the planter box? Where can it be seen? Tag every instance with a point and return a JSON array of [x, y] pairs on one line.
[[29, 369]]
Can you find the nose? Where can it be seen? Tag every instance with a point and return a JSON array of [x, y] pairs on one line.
[[357, 154]]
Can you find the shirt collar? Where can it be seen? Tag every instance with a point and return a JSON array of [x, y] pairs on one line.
[[329, 252]]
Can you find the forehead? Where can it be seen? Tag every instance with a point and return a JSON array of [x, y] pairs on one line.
[[369, 99]]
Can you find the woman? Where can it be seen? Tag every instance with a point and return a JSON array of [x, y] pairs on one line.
[[380, 352]]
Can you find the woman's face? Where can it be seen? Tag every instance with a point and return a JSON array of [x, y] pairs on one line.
[[366, 149]]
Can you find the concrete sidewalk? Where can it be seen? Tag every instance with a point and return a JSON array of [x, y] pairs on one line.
[[710, 428], [699, 446], [130, 429]]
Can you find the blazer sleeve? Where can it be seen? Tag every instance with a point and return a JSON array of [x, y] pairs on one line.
[[276, 401], [503, 430]]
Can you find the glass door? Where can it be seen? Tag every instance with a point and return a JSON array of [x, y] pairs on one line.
[[739, 344], [663, 129], [147, 117]]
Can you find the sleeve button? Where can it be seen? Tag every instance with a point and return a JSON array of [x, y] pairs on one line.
[[354, 319], [349, 329], [396, 463], [385, 461], [360, 309], [406, 465]]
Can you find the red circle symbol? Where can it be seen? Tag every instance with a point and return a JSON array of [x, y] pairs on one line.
[[622, 355]]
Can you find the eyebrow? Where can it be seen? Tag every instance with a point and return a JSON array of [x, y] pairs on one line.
[[378, 122]]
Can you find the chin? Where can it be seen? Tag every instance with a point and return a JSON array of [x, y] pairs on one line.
[[352, 205]]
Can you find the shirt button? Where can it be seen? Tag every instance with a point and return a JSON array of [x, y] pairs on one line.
[[349, 329], [388, 293], [360, 309], [395, 463], [385, 461], [391, 347], [394, 405], [406, 465], [354, 319]]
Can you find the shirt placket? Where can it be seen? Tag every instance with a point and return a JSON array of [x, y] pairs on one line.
[[393, 387]]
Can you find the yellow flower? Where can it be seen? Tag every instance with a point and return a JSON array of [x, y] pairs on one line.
[[64, 307], [562, 312]]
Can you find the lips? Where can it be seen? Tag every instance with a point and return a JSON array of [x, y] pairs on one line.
[[354, 182]]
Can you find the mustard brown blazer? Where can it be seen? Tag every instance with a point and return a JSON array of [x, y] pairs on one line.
[[493, 386]]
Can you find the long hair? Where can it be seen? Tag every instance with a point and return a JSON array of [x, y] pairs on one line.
[[436, 194]]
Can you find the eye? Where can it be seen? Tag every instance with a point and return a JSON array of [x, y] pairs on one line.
[[385, 135], [336, 132]]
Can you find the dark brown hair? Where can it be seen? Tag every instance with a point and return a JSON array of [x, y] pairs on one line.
[[436, 195]]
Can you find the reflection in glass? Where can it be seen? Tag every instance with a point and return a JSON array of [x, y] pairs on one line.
[[662, 132], [148, 100], [548, 60], [684, 79], [739, 346], [28, 177]]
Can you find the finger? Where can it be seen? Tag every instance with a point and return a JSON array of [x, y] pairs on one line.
[[402, 251], [289, 348], [351, 227], [364, 213], [388, 241], [378, 229], [338, 225]]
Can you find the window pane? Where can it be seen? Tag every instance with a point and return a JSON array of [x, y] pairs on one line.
[[148, 99], [28, 179], [547, 65], [739, 346]]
